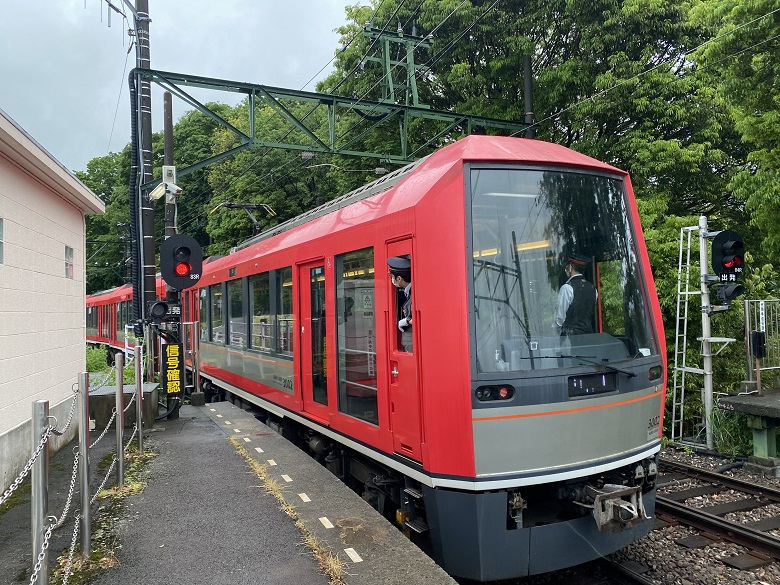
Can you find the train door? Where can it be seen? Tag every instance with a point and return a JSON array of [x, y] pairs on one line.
[[404, 392], [313, 348]]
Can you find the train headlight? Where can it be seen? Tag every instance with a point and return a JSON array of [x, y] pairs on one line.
[[488, 393]]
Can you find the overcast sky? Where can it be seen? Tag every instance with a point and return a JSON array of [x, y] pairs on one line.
[[61, 66]]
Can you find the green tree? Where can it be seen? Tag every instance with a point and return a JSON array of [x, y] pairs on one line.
[[744, 58]]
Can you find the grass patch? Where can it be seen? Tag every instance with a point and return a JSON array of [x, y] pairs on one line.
[[104, 538], [18, 496], [329, 563]]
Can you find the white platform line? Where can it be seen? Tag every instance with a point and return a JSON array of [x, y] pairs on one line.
[[304, 497], [247, 440], [227, 422], [287, 478], [352, 554], [325, 522], [214, 410], [237, 430], [219, 415], [271, 462], [259, 450]]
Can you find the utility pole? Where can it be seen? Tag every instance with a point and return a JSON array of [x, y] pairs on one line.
[[147, 286], [706, 331]]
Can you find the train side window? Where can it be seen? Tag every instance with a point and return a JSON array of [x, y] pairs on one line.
[[217, 319], [261, 318], [236, 315], [284, 312], [356, 330], [204, 314]]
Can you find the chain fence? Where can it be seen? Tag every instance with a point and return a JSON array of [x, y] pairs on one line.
[[40, 567]]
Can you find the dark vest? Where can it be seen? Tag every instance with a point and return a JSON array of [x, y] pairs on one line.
[[579, 316]]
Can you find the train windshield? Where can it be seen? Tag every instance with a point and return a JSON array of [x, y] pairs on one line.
[[556, 271]]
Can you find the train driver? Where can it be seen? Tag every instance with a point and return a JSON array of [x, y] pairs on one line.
[[576, 306], [400, 271]]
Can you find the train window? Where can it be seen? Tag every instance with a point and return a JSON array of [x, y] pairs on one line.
[[236, 315], [120, 326], [284, 312], [91, 321], [217, 320], [204, 314], [260, 299], [356, 341], [525, 224]]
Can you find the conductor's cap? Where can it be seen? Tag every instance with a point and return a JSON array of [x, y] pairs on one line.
[[399, 264], [579, 260]]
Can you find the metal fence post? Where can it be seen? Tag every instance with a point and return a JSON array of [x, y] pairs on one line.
[[120, 419], [139, 398], [748, 354], [84, 464], [40, 489]]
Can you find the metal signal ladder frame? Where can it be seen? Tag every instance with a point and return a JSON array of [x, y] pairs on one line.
[[681, 333]]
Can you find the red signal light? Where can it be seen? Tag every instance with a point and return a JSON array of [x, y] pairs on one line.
[[182, 269]]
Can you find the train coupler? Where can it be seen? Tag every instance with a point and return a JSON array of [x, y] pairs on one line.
[[615, 507]]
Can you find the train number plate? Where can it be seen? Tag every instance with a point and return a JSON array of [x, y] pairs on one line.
[[590, 384]]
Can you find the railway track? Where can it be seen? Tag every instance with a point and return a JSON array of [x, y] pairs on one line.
[[693, 506]]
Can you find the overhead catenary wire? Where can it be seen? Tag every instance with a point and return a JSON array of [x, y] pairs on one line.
[[363, 97]]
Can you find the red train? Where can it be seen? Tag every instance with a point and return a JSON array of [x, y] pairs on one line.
[[511, 444]]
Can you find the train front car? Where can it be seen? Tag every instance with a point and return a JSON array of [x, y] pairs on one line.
[[509, 443], [565, 406]]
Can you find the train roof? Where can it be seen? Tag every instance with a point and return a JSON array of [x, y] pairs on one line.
[[475, 148]]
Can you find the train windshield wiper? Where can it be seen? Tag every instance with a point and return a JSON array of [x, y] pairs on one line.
[[590, 360], [598, 363]]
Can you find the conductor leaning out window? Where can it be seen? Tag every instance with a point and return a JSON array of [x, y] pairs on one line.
[[575, 310], [400, 271]]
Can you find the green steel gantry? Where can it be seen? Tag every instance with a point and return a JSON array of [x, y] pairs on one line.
[[311, 137]]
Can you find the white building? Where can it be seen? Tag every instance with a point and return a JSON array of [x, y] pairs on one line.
[[42, 290]]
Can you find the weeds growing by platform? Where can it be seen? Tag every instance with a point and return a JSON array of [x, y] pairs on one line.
[[329, 563], [105, 541]]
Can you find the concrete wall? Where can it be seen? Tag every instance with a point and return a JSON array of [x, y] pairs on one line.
[[42, 332]]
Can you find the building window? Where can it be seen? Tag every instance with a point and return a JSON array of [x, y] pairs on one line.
[[68, 262], [1, 240]]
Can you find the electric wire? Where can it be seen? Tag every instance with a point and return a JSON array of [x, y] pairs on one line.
[[352, 107], [259, 158]]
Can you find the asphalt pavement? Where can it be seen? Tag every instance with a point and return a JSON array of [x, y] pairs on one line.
[[205, 517]]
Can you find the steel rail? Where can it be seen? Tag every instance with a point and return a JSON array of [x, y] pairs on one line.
[[734, 532], [720, 479]]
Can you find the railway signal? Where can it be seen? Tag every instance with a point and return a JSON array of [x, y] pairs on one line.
[[728, 263], [181, 261]]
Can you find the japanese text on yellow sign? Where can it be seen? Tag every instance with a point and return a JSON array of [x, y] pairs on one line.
[[172, 368]]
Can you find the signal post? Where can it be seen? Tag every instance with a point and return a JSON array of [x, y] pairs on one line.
[[728, 262], [181, 262]]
